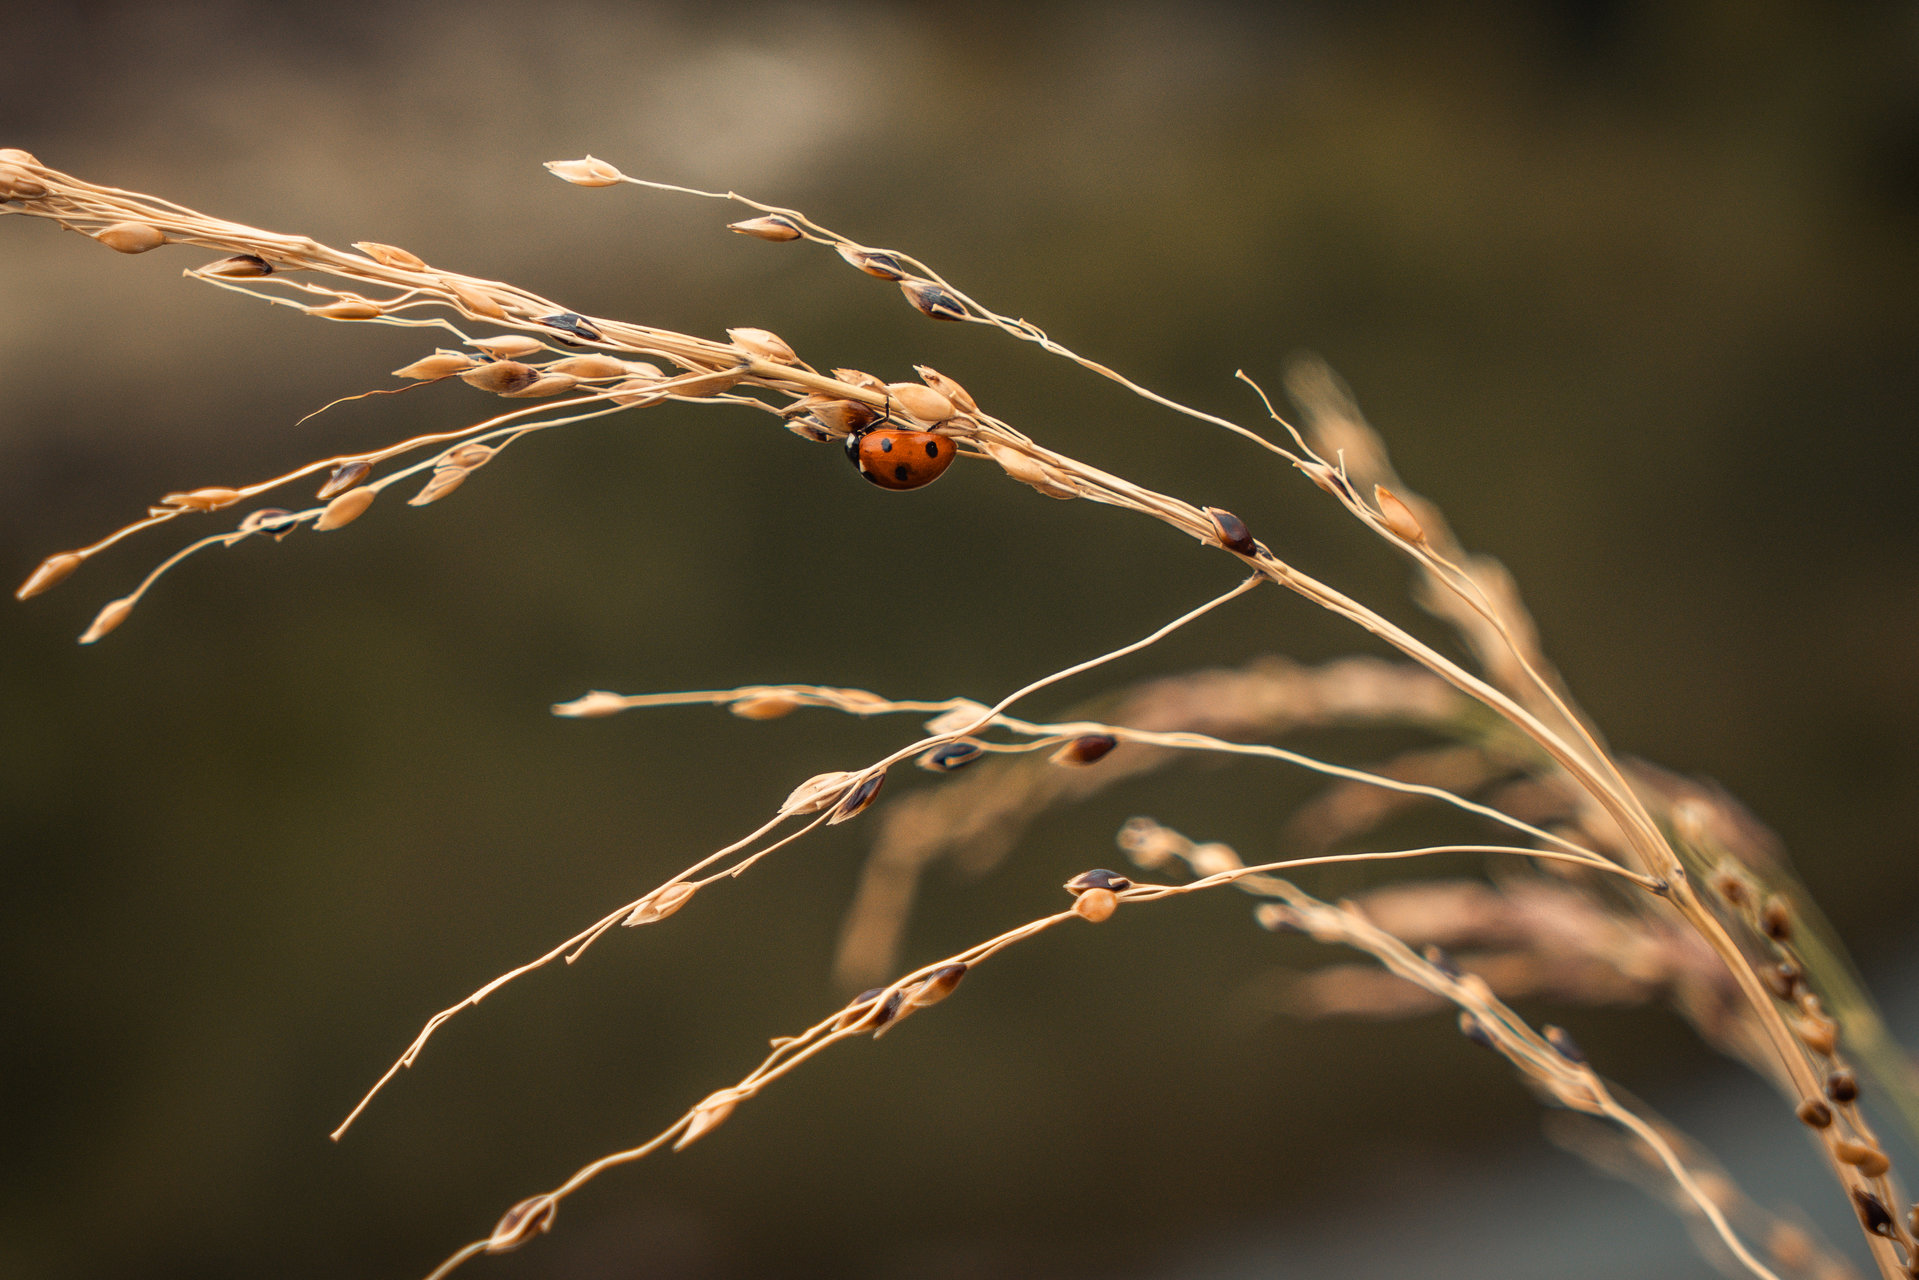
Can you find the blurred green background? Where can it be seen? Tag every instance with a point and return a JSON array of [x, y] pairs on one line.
[[1632, 289]]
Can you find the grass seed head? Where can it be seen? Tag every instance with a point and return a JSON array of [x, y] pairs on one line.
[[765, 706], [389, 256], [843, 417], [951, 757], [1868, 1159], [131, 237], [1818, 1033], [1096, 905], [502, 377], [209, 499], [49, 573], [473, 301], [345, 509], [1088, 748], [1397, 516], [874, 262], [590, 367], [1872, 1213], [241, 266], [1814, 1113], [1842, 1086], [509, 346], [708, 1116], [763, 343], [596, 703], [532, 1216], [661, 904], [586, 172], [1232, 532], [859, 378], [772, 226], [107, 619], [348, 309], [344, 477], [441, 364], [931, 300], [1097, 878], [444, 481], [17, 184], [817, 792], [277, 521], [550, 384], [947, 387], [1030, 471], [920, 402], [936, 986], [859, 799]]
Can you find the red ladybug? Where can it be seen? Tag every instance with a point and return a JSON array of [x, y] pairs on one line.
[[893, 458]]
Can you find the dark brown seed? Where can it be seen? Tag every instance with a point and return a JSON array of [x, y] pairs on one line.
[[1815, 1113], [931, 300], [1232, 532], [1731, 888], [241, 266], [1560, 1039], [1842, 1086], [951, 757], [502, 377], [937, 985], [1088, 748], [344, 477], [874, 262], [772, 226], [888, 1012], [1775, 919], [573, 323], [1098, 878], [858, 799], [1872, 1213]]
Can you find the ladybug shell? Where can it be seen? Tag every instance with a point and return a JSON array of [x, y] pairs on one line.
[[895, 459]]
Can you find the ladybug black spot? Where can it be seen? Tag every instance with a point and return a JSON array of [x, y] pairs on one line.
[[902, 472], [886, 446], [932, 449]]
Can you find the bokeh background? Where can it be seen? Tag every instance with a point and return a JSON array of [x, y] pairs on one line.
[[1633, 290]]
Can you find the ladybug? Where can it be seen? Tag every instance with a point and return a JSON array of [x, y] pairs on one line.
[[894, 458]]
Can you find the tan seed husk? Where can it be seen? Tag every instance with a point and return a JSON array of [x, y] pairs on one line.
[[1869, 1160], [532, 1216], [596, 703], [107, 619], [772, 226], [711, 384], [947, 387], [551, 384], [344, 477], [241, 266], [936, 986], [763, 343], [920, 402], [1397, 516], [585, 172], [660, 905], [131, 237], [634, 391], [49, 573], [502, 377], [708, 1117], [474, 301], [845, 416], [1096, 905], [444, 481], [17, 184], [1818, 1033], [509, 346], [817, 792], [389, 256], [590, 367], [931, 300], [441, 364], [211, 499], [14, 155], [859, 378], [767, 706], [348, 309], [1029, 471], [472, 456], [345, 509]]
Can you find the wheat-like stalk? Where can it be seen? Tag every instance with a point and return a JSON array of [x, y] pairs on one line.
[[1639, 855]]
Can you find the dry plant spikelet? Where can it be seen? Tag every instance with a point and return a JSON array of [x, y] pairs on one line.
[[131, 237], [346, 508]]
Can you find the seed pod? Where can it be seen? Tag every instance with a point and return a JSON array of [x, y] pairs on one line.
[[951, 758], [660, 904], [1470, 1028], [1029, 471], [474, 301], [443, 481], [107, 619], [858, 799], [947, 387], [710, 384], [763, 343], [1869, 1160], [1397, 516], [1096, 905], [210, 499], [1731, 888], [1775, 919], [889, 1013], [856, 1008], [131, 237], [241, 266], [764, 706], [1820, 1034], [1783, 978], [1814, 1113], [585, 172], [1097, 878], [473, 455], [772, 226], [14, 155], [441, 364], [859, 378], [1088, 748], [49, 573], [708, 1116], [17, 184], [596, 703], [1213, 859], [920, 402], [1842, 1086], [874, 262], [572, 322], [817, 792], [844, 417], [345, 509], [590, 367], [1232, 532], [551, 384], [502, 377], [936, 986], [530, 1217], [344, 477], [348, 309], [931, 300], [635, 391], [807, 427], [274, 520], [509, 346], [1560, 1039], [388, 256], [1872, 1213]]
